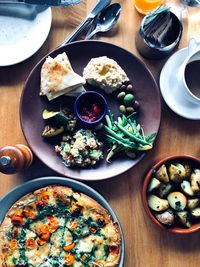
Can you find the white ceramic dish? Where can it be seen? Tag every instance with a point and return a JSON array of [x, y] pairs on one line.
[[11, 197], [23, 30], [170, 90]]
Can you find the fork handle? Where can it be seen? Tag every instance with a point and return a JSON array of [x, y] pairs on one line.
[[77, 31]]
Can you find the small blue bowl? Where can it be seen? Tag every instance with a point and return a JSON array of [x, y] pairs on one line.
[[87, 101]]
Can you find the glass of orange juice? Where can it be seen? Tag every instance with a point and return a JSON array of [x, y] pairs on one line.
[[145, 6]]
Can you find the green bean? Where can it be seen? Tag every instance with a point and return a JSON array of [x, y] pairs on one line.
[[126, 145], [150, 138], [135, 138], [114, 150], [108, 121]]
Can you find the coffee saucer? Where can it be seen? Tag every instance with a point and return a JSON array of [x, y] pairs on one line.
[[172, 92]]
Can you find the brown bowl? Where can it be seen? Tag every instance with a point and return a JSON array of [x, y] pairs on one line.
[[195, 162]]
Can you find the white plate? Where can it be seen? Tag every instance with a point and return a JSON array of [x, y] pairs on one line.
[[23, 30], [170, 90]]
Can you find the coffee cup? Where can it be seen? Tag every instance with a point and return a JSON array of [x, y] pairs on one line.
[[189, 72]]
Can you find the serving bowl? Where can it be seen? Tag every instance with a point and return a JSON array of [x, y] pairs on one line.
[[176, 227], [90, 108]]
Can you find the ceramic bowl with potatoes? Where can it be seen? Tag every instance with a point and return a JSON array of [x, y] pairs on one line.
[[171, 194]]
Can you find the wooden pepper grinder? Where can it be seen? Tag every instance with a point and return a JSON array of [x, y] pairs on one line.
[[14, 159]]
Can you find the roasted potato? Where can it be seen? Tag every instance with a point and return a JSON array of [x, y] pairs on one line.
[[162, 174], [195, 180], [196, 212], [184, 218], [167, 217], [177, 201], [177, 172], [187, 189], [192, 203], [164, 189], [188, 171], [154, 184], [157, 204]]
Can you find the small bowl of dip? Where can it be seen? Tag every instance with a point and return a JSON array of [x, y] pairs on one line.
[[90, 108]]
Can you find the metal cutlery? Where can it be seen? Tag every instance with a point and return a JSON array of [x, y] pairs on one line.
[[101, 4], [105, 21]]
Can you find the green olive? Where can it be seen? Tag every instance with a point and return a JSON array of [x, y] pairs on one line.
[[121, 95], [122, 109], [128, 99]]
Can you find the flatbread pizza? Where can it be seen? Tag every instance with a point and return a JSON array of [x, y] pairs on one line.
[[55, 226]]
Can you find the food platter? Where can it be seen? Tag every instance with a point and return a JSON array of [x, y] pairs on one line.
[[19, 25], [79, 53], [11, 197]]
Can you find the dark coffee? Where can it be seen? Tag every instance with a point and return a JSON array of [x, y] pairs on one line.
[[192, 77]]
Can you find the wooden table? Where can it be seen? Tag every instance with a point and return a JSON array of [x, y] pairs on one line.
[[146, 244]]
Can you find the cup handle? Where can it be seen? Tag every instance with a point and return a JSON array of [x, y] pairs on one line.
[[193, 45]]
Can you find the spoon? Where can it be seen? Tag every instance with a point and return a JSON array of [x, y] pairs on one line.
[[105, 21]]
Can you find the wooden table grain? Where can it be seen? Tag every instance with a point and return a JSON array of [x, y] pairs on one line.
[[146, 244]]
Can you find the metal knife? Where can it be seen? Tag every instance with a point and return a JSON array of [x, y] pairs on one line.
[[42, 2], [101, 4]]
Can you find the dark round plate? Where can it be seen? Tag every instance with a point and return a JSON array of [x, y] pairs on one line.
[[11, 197], [79, 53]]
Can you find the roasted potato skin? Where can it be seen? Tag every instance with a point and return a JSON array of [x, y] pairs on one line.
[[167, 217], [184, 219], [177, 172], [157, 204], [162, 174], [195, 180], [177, 201]]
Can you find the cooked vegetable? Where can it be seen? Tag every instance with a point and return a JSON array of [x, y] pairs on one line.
[[195, 180], [196, 212], [186, 187], [63, 118], [177, 201], [162, 174], [164, 189], [157, 204], [177, 172], [125, 135], [192, 203], [167, 217], [154, 184], [50, 131], [184, 218], [188, 171], [179, 183]]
